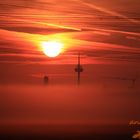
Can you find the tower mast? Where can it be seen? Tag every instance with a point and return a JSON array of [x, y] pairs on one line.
[[78, 69]]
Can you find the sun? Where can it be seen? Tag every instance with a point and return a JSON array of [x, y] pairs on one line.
[[52, 48]]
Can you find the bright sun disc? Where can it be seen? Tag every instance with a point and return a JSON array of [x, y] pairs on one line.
[[52, 48]]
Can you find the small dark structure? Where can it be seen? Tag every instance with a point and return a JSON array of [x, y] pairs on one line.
[[78, 69], [133, 80], [46, 80]]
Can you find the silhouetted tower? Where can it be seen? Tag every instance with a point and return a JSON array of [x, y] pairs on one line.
[[46, 80], [133, 82], [78, 69]]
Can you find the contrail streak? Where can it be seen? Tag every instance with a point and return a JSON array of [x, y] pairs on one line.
[[112, 13], [113, 31], [44, 23]]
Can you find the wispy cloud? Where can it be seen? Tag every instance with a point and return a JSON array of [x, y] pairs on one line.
[[96, 30], [107, 11]]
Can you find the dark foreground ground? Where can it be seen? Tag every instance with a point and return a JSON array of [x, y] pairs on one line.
[[67, 132]]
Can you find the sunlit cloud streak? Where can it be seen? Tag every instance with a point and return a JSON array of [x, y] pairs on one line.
[[112, 13]]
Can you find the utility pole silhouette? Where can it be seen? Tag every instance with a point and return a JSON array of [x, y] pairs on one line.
[[78, 69]]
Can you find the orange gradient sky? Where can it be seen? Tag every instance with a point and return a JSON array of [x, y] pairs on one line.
[[107, 33]]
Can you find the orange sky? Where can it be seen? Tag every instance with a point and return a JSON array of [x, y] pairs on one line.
[[105, 32]]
